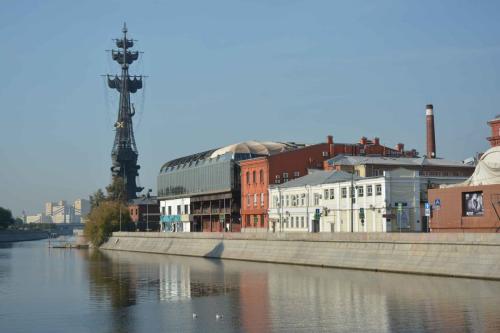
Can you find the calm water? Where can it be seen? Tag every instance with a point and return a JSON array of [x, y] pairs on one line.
[[55, 290]]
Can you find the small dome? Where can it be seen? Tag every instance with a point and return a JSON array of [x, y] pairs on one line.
[[257, 148]]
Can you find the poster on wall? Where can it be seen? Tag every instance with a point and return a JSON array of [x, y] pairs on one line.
[[473, 203]]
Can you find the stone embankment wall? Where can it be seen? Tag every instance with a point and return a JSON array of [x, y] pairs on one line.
[[20, 236], [472, 255]]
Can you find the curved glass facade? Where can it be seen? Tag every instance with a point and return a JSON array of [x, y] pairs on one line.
[[204, 177]]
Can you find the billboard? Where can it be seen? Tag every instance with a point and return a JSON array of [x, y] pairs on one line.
[[472, 203]]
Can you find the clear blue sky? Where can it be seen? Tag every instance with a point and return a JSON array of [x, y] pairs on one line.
[[228, 71]]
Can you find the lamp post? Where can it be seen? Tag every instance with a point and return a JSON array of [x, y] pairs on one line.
[[147, 209]]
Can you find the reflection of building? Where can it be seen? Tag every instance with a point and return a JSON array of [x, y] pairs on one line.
[[259, 173], [337, 201], [210, 183]]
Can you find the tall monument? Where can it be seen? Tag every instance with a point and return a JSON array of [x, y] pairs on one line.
[[124, 154]]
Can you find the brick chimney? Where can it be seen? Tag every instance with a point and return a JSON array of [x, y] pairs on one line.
[[376, 141], [431, 136], [400, 147], [329, 140], [363, 140]]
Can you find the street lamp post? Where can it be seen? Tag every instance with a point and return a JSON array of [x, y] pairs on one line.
[[147, 209]]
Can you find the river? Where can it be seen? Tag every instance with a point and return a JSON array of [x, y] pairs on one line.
[[62, 290]]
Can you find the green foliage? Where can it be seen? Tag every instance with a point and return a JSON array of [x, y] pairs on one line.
[[97, 198], [104, 219], [116, 190], [6, 218]]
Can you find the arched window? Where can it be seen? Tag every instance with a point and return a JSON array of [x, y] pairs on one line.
[[261, 176], [248, 177], [255, 177]]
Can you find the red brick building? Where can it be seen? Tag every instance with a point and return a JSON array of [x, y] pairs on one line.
[[257, 174], [145, 213], [494, 139], [456, 213], [473, 206]]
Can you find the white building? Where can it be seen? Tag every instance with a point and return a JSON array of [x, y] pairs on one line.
[[81, 208], [324, 201], [175, 215], [38, 218]]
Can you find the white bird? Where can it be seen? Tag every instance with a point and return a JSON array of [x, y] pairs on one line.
[[195, 316], [218, 316]]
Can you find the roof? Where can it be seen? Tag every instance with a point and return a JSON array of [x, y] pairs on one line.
[[238, 151], [398, 161], [320, 177]]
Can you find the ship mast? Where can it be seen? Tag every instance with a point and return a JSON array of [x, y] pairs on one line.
[[124, 153]]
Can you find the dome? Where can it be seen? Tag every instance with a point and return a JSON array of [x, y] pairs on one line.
[[254, 148]]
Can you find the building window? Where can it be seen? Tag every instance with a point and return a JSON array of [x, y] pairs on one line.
[[186, 209], [343, 192], [248, 177], [332, 193], [302, 199], [169, 210], [248, 199], [294, 201], [291, 222], [287, 201], [178, 209], [369, 190], [247, 220], [255, 199], [376, 172], [163, 210], [255, 177], [316, 199], [262, 199], [326, 196], [302, 221], [296, 174], [261, 172], [378, 189], [361, 191], [276, 181], [285, 175]]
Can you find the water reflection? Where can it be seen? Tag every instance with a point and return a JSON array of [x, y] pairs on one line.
[[111, 291], [261, 297]]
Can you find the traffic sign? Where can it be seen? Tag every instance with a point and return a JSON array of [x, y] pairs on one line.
[[361, 213], [437, 202], [427, 209]]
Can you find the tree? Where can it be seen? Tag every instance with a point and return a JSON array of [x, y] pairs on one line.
[[104, 219], [116, 190], [5, 218], [96, 198]]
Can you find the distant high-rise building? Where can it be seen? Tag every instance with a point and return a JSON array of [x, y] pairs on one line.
[[81, 208]]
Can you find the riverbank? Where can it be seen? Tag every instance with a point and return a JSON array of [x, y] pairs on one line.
[[21, 235], [471, 255]]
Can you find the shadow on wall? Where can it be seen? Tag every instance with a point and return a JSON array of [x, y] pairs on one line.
[[216, 251]]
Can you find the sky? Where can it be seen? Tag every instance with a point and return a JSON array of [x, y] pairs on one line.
[[221, 72]]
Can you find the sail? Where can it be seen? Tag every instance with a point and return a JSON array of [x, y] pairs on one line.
[[134, 83], [128, 43], [130, 56]]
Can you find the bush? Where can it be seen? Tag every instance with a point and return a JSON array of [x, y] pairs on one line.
[[104, 219]]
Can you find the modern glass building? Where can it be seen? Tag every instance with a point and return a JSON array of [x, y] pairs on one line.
[[211, 179]]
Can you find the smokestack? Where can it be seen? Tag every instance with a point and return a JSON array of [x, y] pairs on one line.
[[431, 137], [329, 140]]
